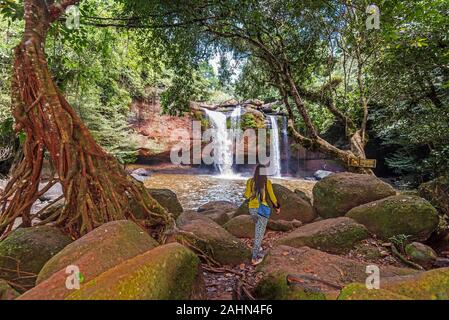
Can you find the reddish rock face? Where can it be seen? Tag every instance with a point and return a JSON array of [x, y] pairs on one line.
[[157, 132]]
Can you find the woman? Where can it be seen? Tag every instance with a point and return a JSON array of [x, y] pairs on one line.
[[257, 189]]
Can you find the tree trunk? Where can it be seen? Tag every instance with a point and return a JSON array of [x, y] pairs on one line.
[[95, 186]]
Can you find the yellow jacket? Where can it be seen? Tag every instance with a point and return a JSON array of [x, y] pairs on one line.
[[254, 202]]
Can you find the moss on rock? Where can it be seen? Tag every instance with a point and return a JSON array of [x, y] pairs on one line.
[[336, 235], [358, 291], [94, 253], [7, 292], [168, 272], [214, 241], [25, 251], [337, 193], [241, 226], [395, 215]]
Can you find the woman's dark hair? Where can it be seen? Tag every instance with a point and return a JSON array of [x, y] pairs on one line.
[[260, 181]]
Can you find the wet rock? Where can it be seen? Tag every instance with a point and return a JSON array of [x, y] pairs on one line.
[[337, 235], [168, 272], [336, 194], [168, 199], [98, 251], [142, 172], [214, 240], [421, 254], [396, 215], [321, 174], [25, 251]]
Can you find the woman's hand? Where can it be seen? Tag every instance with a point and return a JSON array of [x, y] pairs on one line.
[[278, 210]]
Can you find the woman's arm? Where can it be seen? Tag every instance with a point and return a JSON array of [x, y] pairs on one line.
[[273, 198]]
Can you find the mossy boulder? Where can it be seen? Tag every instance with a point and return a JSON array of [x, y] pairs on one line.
[[94, 253], [219, 211], [437, 193], [168, 199], [282, 225], [214, 241], [7, 292], [168, 272], [293, 206], [189, 216], [358, 291], [274, 286], [421, 254], [395, 215], [337, 235], [332, 272], [241, 226], [428, 285], [338, 193], [25, 251]]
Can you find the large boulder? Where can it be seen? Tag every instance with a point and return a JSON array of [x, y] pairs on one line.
[[168, 272], [189, 216], [321, 275], [241, 226], [293, 206], [214, 241], [428, 285], [244, 227], [25, 251], [7, 292], [219, 211], [421, 254], [168, 199], [395, 215], [336, 194], [337, 235], [437, 193], [98, 251]]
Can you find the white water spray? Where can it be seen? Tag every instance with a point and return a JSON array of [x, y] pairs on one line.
[[222, 143], [275, 157]]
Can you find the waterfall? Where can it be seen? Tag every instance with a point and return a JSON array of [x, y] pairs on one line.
[[286, 146], [222, 143], [275, 157]]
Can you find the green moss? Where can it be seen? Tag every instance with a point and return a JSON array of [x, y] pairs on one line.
[[358, 291], [165, 273], [274, 287], [396, 215], [429, 285], [27, 250]]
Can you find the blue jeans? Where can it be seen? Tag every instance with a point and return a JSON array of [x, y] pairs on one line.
[[261, 225]]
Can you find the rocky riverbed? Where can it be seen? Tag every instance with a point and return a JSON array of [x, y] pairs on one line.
[[328, 238]]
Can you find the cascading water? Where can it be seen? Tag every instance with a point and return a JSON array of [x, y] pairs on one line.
[[286, 146], [222, 143], [275, 157]]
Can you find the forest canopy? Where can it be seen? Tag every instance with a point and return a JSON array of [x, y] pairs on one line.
[[391, 83]]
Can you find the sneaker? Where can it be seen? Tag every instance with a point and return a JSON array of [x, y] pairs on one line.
[[256, 261]]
